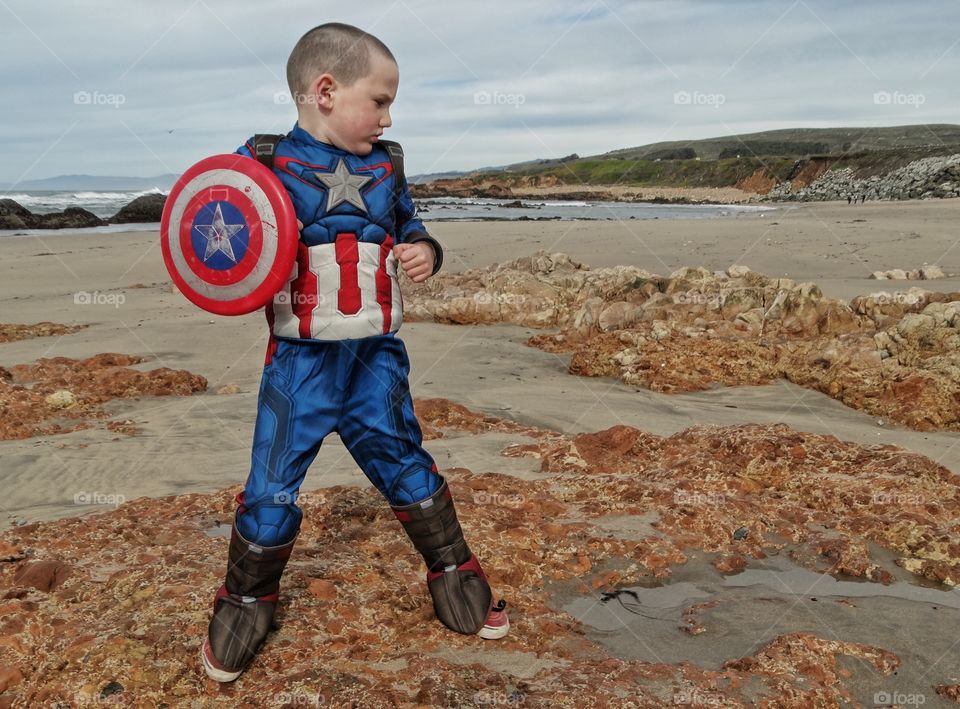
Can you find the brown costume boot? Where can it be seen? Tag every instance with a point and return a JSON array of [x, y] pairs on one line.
[[244, 606], [461, 595]]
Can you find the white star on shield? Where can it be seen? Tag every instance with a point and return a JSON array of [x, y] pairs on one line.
[[343, 186], [218, 235]]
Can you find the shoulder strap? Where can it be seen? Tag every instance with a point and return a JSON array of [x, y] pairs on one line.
[[265, 146], [396, 161]]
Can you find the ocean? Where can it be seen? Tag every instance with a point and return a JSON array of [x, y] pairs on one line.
[[458, 208], [107, 203], [103, 204]]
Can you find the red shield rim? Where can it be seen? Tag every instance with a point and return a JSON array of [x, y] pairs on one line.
[[258, 194]]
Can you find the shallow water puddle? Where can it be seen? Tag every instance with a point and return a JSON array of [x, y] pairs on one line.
[[704, 617]]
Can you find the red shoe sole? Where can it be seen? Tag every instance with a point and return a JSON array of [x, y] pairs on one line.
[[210, 665]]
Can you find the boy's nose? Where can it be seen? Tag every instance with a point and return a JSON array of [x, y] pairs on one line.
[[386, 121]]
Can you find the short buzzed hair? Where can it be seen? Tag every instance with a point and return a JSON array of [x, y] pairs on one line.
[[338, 49]]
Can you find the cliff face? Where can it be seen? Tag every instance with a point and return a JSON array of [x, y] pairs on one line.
[[760, 182], [112, 608], [876, 176]]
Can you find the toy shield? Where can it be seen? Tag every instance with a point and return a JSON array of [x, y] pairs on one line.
[[229, 234]]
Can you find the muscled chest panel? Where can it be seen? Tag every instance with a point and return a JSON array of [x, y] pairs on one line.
[[334, 194]]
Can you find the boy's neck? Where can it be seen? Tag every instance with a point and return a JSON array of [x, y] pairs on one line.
[[316, 130]]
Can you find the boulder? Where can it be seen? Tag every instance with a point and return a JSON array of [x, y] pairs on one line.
[[928, 273], [619, 315], [69, 218], [44, 575], [146, 210], [13, 215]]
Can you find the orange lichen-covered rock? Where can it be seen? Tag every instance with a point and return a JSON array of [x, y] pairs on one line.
[[59, 394]]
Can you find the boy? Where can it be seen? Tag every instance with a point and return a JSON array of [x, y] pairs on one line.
[[333, 361]]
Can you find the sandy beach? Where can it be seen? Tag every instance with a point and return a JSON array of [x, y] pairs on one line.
[[116, 286], [488, 368]]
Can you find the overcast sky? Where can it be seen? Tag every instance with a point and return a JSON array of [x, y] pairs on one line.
[[143, 88]]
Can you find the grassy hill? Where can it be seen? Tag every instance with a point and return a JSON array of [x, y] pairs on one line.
[[801, 142], [770, 156]]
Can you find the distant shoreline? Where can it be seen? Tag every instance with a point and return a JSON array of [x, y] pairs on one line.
[[71, 210], [597, 193]]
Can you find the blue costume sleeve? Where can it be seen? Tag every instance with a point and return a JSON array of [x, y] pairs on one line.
[[246, 149], [410, 228]]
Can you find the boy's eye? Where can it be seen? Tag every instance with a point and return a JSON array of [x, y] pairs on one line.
[[380, 104]]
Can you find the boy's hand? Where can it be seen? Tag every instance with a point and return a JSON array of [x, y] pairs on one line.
[[416, 260]]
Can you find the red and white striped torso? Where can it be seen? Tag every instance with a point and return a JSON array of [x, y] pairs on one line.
[[343, 290]]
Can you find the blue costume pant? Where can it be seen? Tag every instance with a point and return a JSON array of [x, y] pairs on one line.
[[310, 388]]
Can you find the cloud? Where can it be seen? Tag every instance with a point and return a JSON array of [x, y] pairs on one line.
[[569, 76]]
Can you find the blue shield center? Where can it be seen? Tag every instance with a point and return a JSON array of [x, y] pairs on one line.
[[219, 235]]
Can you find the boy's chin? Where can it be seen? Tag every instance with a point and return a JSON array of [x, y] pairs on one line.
[[362, 149]]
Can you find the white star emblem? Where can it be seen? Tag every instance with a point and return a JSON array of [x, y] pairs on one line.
[[218, 235], [343, 186]]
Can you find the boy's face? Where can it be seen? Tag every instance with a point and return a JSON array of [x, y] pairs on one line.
[[359, 113]]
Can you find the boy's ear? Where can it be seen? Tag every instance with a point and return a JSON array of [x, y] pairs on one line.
[[324, 87]]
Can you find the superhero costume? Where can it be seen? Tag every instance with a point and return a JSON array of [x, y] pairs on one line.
[[334, 363]]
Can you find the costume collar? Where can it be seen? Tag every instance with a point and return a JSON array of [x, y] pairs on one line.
[[301, 135]]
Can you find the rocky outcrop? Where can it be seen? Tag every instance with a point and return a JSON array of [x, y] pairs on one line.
[[543, 290], [921, 179], [695, 329], [924, 273], [146, 209], [15, 216], [553, 290], [112, 608], [461, 187], [909, 373], [59, 394]]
